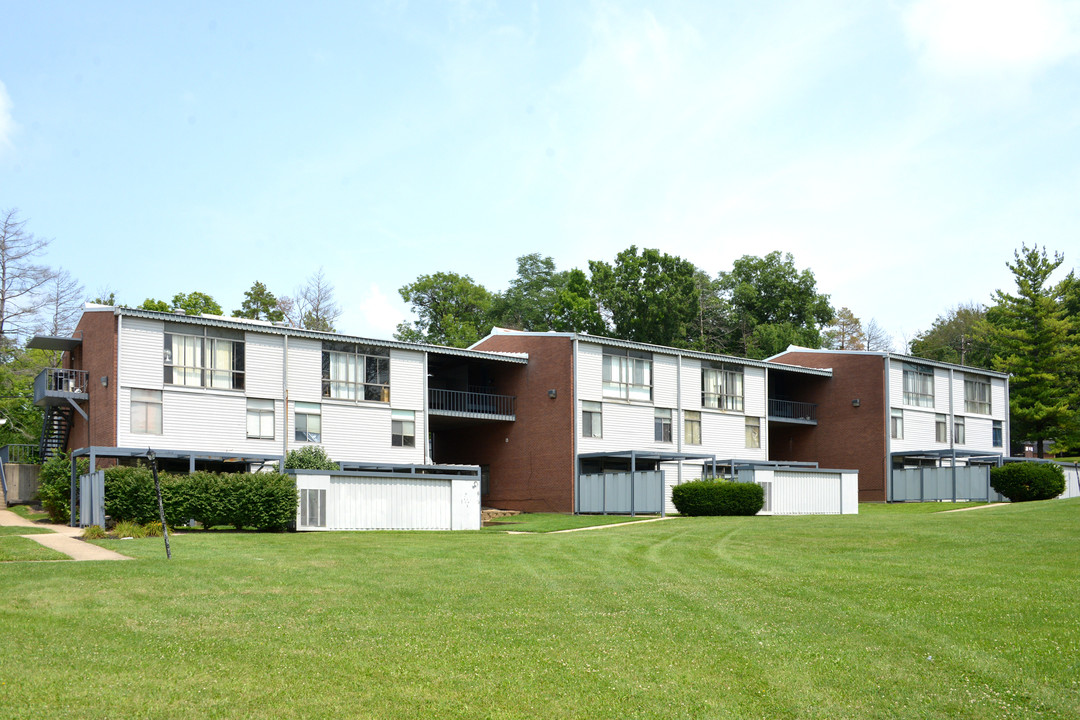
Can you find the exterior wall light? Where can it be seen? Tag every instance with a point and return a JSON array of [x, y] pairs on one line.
[[552, 394], [855, 402]]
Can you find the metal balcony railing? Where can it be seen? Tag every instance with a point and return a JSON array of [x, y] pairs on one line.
[[791, 410], [20, 454], [61, 383], [456, 401]]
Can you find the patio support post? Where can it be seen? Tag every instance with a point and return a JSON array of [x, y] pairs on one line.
[[633, 479]]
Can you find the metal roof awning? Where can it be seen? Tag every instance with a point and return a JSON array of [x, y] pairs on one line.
[[658, 455], [53, 342], [98, 451], [937, 454]]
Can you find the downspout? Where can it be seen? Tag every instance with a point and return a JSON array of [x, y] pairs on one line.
[[119, 375], [682, 431], [888, 431], [574, 427], [427, 427], [1007, 425], [284, 403], [952, 435]]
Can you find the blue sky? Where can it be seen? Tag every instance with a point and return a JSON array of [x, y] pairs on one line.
[[900, 150]]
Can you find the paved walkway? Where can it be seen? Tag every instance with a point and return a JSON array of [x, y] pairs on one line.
[[976, 507], [61, 538]]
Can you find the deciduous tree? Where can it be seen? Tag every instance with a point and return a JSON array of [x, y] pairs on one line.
[[648, 297], [954, 337], [450, 309], [845, 332], [772, 291], [313, 307], [22, 280]]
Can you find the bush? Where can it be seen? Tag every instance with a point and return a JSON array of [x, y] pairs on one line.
[[309, 457], [54, 486], [126, 528], [1022, 481], [718, 497], [264, 501], [94, 532]]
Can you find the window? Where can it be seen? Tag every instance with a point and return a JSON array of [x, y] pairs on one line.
[[146, 412], [661, 425], [204, 357], [355, 372], [313, 508], [941, 428], [627, 374], [977, 395], [692, 427], [260, 419], [592, 419], [958, 430], [403, 428], [722, 387], [753, 432], [308, 422], [998, 436], [918, 385], [896, 424]]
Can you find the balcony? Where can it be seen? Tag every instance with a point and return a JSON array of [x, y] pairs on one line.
[[456, 403], [791, 412], [56, 386]]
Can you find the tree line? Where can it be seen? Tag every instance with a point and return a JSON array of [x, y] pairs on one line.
[[756, 309]]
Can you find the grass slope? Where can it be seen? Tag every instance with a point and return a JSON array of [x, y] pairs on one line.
[[882, 615], [554, 522], [20, 549]]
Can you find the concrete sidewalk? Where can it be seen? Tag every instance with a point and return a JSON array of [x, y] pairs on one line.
[[61, 538]]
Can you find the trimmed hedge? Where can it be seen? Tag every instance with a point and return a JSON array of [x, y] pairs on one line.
[[718, 497], [264, 501], [1022, 481], [309, 457]]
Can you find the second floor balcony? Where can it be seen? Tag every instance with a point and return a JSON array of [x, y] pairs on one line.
[[482, 405], [55, 386], [790, 411]]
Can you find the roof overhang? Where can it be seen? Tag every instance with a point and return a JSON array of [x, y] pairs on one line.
[[53, 342], [259, 326]]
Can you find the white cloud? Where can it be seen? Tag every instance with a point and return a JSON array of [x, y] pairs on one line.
[[379, 315], [964, 38], [7, 121]]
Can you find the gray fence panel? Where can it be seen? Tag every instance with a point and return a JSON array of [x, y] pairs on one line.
[[92, 499], [932, 484], [611, 492]]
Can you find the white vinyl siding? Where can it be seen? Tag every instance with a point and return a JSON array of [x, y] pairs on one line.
[[754, 400], [193, 419], [264, 359], [691, 384], [665, 381], [305, 370], [407, 380], [351, 432], [590, 372], [142, 354]]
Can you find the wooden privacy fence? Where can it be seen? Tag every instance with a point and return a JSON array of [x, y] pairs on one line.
[[926, 484], [622, 493]]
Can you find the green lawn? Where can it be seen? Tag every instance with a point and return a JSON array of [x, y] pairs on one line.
[[888, 614], [552, 522], [20, 549], [28, 512], [18, 530], [892, 509]]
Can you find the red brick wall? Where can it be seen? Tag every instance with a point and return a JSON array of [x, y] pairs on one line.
[[531, 459], [97, 355], [846, 437]]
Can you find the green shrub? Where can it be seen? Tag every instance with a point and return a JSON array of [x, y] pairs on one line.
[[1023, 481], [264, 501], [94, 532], [127, 528], [54, 486], [718, 497], [153, 529], [309, 457]]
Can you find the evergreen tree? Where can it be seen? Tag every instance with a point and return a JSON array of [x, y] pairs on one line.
[[259, 304], [1034, 340]]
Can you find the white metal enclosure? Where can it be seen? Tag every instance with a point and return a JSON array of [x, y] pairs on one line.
[[806, 491], [368, 500]]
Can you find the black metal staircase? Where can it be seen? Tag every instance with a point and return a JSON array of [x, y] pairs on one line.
[[55, 430]]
